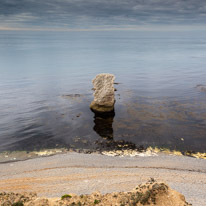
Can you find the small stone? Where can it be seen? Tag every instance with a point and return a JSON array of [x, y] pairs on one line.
[[201, 87]]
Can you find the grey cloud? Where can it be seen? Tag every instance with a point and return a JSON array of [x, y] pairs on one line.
[[84, 13]]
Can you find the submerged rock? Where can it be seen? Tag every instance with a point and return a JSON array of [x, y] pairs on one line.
[[201, 87], [103, 93], [71, 96]]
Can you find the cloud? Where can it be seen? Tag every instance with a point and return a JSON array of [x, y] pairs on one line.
[[89, 13]]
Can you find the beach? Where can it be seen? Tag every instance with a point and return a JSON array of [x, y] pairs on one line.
[[68, 173]]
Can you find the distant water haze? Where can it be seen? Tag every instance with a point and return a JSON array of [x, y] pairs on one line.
[[45, 89]]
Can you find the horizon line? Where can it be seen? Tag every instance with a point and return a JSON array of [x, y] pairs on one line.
[[140, 28]]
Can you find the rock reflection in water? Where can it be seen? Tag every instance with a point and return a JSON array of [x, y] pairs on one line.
[[103, 124], [103, 127]]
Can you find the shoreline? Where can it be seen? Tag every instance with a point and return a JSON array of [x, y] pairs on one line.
[[15, 156], [78, 173]]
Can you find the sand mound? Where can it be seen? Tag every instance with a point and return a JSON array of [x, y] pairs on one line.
[[150, 193]]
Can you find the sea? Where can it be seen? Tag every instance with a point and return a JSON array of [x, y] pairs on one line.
[[46, 89]]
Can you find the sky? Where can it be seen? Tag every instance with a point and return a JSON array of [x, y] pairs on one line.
[[102, 14]]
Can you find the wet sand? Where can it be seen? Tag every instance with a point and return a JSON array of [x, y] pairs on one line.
[[77, 173]]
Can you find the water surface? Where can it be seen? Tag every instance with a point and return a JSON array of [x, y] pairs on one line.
[[45, 90]]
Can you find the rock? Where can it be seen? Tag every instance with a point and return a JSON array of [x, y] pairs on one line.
[[201, 87], [71, 95], [103, 93]]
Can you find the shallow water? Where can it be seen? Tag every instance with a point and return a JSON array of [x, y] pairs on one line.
[[45, 81]]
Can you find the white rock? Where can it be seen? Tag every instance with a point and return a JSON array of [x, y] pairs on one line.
[[103, 93]]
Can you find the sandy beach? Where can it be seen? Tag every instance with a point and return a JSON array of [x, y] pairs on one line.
[[61, 174]]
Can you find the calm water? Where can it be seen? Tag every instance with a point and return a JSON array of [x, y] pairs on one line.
[[45, 89]]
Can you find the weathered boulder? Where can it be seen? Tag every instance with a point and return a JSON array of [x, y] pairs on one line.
[[103, 93]]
